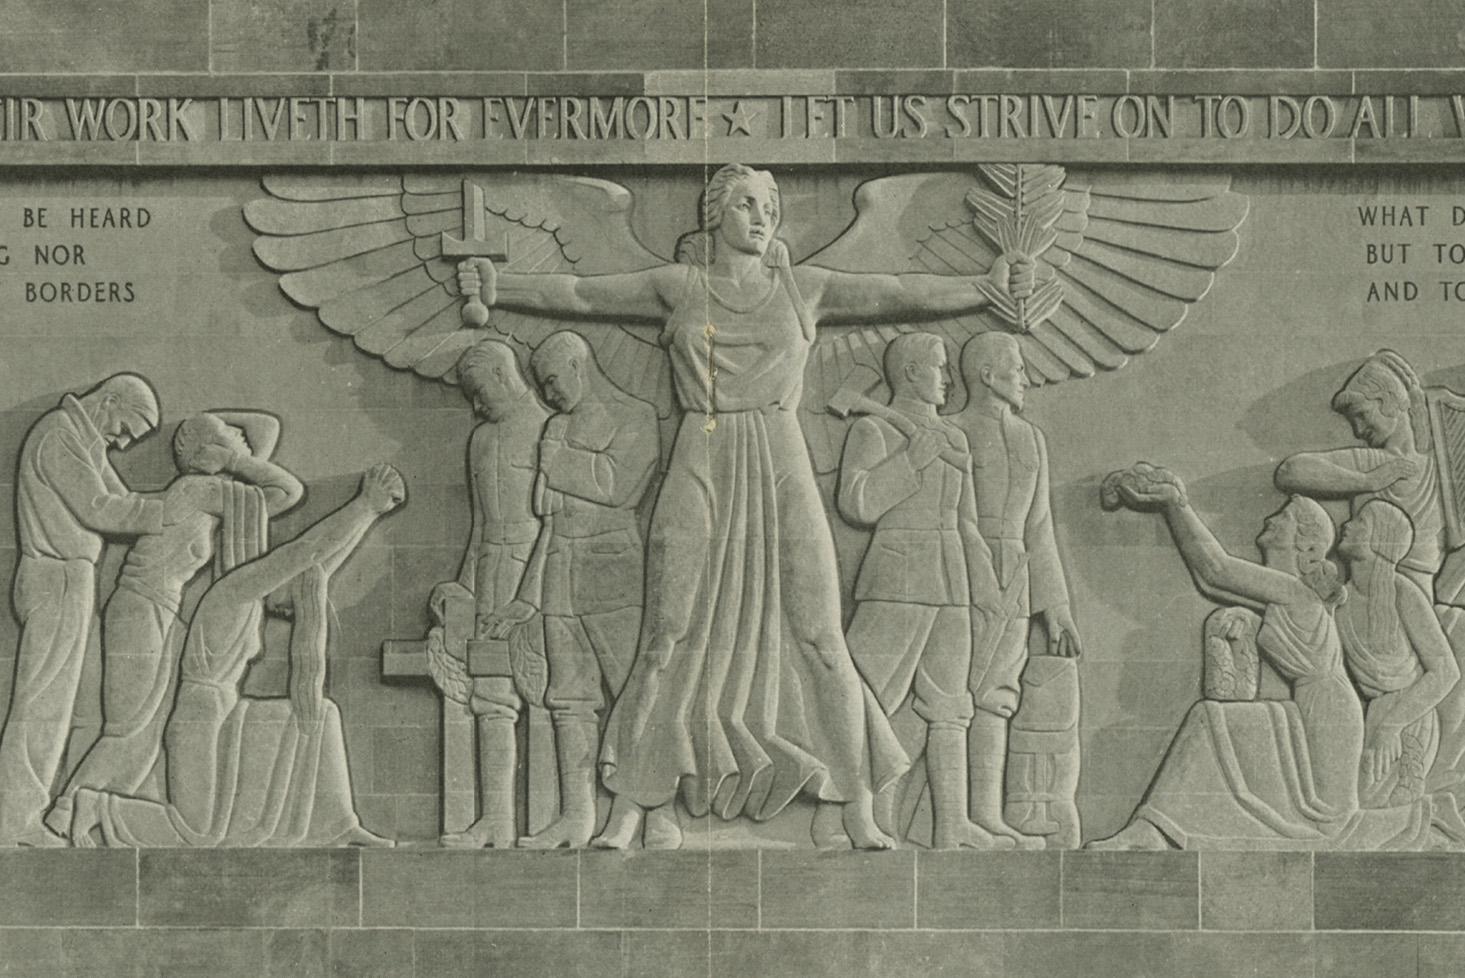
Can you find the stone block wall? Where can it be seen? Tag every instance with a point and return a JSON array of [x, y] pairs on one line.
[[434, 914], [374, 36]]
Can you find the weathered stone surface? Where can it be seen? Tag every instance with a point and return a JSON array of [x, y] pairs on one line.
[[266, 888], [1113, 34], [1245, 34]]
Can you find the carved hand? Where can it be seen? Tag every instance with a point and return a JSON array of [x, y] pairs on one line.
[[1012, 274], [924, 447], [1062, 632], [1393, 471], [382, 488], [478, 277], [1382, 750], [777, 254], [502, 621]]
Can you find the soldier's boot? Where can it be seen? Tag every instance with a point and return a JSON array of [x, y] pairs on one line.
[[946, 769], [576, 745], [987, 745], [497, 767]]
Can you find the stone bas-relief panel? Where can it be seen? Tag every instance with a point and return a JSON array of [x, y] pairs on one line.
[[758, 513]]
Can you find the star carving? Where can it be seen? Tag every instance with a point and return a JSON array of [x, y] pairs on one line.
[[740, 119]]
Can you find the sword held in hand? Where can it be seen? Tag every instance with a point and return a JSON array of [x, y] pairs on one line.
[[474, 244]]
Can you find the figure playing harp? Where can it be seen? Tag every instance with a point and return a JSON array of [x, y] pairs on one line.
[[743, 695]]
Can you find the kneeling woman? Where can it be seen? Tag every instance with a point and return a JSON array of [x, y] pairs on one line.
[[245, 771], [1269, 774]]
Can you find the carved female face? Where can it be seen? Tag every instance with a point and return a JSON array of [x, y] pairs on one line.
[[750, 217], [1355, 536], [1279, 533], [1371, 424]]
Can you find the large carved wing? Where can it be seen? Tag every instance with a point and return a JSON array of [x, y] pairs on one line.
[[367, 253], [1119, 262]]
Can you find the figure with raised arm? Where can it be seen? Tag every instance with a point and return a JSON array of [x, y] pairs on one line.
[[1385, 406], [1264, 774], [743, 695], [245, 771], [228, 488], [925, 569], [596, 463], [502, 469], [68, 498], [1014, 515]]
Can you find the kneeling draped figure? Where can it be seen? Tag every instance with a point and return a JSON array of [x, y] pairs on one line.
[[244, 771]]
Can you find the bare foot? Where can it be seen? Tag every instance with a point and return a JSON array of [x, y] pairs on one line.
[[567, 831], [1139, 834], [620, 830], [859, 824], [828, 828], [969, 835], [663, 831], [58, 819], [486, 833], [86, 815], [1020, 840], [359, 836]]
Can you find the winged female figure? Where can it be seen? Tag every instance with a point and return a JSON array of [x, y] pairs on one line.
[[743, 695]]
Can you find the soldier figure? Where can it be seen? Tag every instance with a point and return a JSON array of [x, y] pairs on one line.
[[907, 472], [596, 462], [502, 463], [1010, 467]]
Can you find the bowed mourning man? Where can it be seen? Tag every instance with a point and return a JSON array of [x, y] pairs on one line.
[[597, 460], [67, 499]]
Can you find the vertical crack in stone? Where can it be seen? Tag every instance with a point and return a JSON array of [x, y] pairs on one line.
[[711, 424]]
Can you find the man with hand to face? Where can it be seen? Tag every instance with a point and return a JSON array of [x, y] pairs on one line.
[[596, 462]]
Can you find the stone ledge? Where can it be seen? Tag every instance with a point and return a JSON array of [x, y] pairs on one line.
[[748, 81], [903, 891], [427, 953]]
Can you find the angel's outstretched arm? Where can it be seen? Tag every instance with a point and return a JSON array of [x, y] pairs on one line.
[[647, 295], [849, 297], [1341, 472]]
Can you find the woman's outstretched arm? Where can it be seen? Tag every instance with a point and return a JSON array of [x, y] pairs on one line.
[[847, 297], [325, 544], [645, 295], [1211, 567]]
